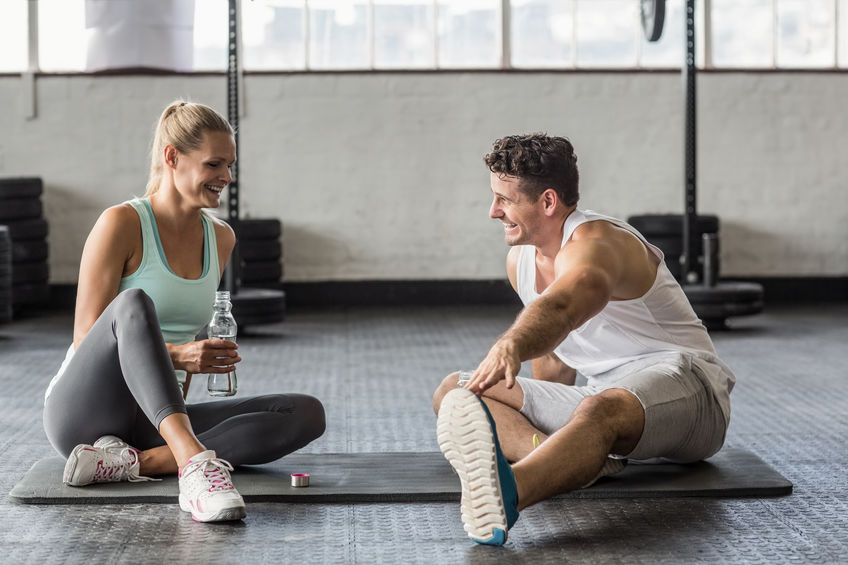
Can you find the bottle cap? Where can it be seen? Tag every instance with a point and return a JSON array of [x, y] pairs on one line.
[[300, 479]]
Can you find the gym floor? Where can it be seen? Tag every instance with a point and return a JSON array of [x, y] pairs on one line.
[[375, 369]]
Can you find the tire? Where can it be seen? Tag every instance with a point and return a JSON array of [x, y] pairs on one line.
[[28, 229], [653, 18], [30, 273], [29, 251], [671, 224], [30, 293], [255, 228], [251, 303], [24, 187], [260, 250], [20, 209], [261, 271]]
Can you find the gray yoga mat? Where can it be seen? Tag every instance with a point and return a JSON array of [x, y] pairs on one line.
[[410, 477]]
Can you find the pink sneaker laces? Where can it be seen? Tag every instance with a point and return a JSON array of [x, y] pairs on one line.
[[215, 470], [116, 466]]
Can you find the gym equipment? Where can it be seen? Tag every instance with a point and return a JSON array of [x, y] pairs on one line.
[[251, 306], [712, 301], [410, 477], [5, 275], [21, 211], [653, 18]]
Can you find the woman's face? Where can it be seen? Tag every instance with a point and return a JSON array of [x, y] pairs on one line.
[[201, 175]]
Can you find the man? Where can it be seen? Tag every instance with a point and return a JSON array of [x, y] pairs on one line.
[[599, 301]]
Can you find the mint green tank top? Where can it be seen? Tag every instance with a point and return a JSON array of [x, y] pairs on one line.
[[184, 306]]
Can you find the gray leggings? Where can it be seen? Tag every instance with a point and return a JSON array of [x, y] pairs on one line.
[[121, 382]]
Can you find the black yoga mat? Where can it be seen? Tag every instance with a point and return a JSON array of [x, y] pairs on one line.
[[410, 477]]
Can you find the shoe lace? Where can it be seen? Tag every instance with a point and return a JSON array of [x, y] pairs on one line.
[[216, 471], [117, 465]]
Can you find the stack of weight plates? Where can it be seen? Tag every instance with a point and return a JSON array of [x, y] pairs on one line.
[[5, 275], [21, 211], [260, 299], [666, 232], [261, 252]]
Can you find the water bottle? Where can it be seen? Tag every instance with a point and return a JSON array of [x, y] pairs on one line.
[[222, 326]]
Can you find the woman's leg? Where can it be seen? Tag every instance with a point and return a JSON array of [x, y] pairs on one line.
[[258, 429], [119, 381]]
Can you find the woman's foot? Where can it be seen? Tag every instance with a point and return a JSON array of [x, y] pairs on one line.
[[109, 460], [207, 491]]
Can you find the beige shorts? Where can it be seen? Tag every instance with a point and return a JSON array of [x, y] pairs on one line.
[[683, 420]]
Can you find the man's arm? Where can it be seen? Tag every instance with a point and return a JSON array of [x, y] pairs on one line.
[[587, 271], [551, 368]]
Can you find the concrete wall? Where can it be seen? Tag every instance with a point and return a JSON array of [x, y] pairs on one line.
[[379, 176]]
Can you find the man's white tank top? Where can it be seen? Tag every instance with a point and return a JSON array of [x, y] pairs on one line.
[[657, 323]]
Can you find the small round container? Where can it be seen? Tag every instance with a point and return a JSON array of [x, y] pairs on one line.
[[300, 479], [464, 377]]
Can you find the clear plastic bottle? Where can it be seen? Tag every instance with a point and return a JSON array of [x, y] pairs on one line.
[[222, 326]]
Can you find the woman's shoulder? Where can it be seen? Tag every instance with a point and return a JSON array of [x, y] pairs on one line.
[[223, 231], [120, 218]]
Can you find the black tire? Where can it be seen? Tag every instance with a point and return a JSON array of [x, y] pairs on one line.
[[29, 251], [253, 302], [261, 271], [24, 187], [30, 273], [20, 209], [256, 228], [671, 224], [260, 250], [28, 229], [30, 293]]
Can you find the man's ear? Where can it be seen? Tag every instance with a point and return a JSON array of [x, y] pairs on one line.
[[550, 199]]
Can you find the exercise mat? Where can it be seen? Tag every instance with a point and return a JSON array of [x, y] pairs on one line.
[[409, 477]]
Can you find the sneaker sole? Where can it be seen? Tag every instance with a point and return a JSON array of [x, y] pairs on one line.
[[466, 439], [229, 514]]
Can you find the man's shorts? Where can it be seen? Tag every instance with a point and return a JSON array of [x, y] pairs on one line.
[[683, 420]]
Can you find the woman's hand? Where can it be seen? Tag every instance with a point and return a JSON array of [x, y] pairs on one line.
[[206, 356]]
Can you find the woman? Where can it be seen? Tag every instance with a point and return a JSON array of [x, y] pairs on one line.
[[147, 282]]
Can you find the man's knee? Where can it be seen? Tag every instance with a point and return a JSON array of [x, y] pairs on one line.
[[619, 411], [448, 383]]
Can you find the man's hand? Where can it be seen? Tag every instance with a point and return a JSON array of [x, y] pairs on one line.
[[206, 356], [502, 362]]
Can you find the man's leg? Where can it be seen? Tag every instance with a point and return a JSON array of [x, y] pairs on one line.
[[610, 422], [515, 432]]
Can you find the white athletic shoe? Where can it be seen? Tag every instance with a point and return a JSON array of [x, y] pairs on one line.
[[109, 460], [207, 491]]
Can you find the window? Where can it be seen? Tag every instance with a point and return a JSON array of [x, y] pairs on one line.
[[13, 39], [298, 35]]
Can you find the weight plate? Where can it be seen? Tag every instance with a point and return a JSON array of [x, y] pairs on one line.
[[260, 250], [29, 251], [671, 224], [725, 293], [20, 208], [30, 273], [253, 271], [256, 228], [27, 229], [653, 18], [30, 293], [24, 187]]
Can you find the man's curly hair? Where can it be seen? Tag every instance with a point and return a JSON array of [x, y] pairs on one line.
[[540, 162]]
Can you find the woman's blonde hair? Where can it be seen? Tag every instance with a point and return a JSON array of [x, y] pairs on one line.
[[182, 126]]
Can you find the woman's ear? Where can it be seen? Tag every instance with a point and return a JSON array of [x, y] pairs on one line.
[[170, 155]]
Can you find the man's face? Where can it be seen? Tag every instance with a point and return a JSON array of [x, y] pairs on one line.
[[519, 213]]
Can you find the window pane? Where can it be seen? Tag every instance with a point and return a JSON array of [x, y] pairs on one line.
[[211, 30], [13, 40], [742, 33], [469, 33], [403, 34], [61, 35], [805, 33], [843, 33], [338, 34], [272, 35], [542, 33], [607, 32], [668, 51]]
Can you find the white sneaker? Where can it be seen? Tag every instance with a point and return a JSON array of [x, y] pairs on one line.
[[207, 491], [611, 467], [109, 460]]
